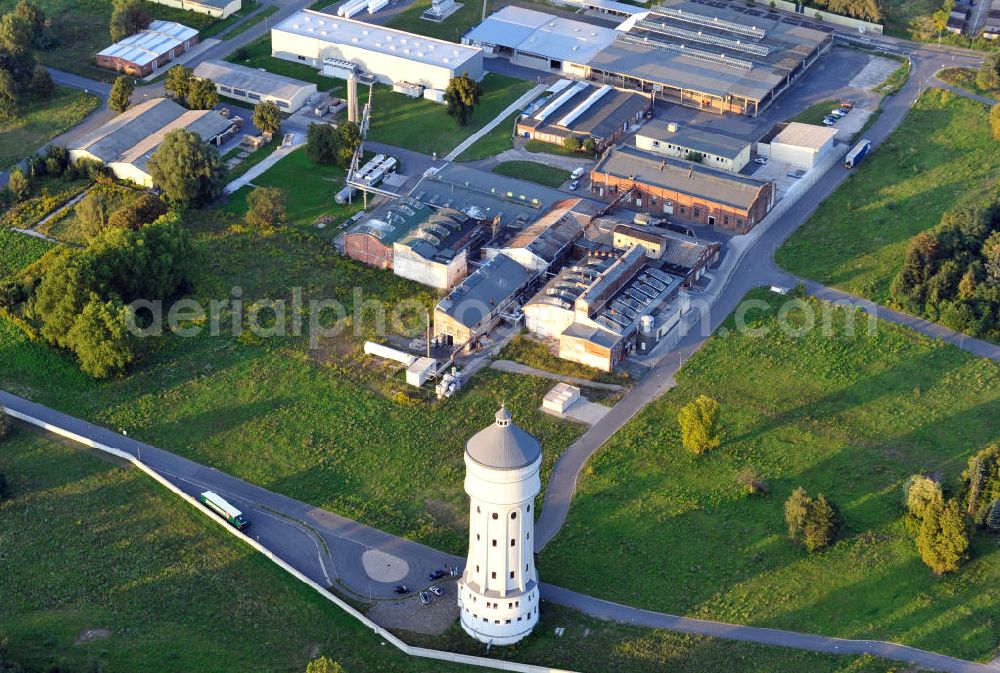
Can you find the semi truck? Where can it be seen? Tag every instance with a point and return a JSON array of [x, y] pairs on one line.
[[857, 153]]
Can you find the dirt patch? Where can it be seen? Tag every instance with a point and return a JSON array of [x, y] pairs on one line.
[[90, 635]]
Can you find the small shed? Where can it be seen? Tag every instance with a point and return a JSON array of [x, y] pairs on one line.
[[561, 398]]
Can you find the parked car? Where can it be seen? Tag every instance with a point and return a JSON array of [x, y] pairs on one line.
[[574, 185], [829, 121], [760, 160], [436, 590], [837, 112], [795, 174], [436, 575], [456, 571], [425, 598], [847, 104], [401, 589]]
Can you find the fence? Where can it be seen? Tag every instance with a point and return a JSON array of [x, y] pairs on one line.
[[409, 650]]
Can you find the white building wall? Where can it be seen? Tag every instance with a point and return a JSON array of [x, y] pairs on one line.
[[803, 157], [498, 592], [547, 320], [405, 264], [670, 149], [284, 104], [387, 68]]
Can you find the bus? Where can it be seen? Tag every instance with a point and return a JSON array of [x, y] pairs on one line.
[[218, 504], [857, 153]]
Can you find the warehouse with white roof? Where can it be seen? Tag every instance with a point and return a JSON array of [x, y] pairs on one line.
[[390, 56], [254, 86], [141, 53]]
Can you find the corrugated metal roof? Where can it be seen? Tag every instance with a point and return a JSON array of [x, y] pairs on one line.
[[251, 79], [148, 45]]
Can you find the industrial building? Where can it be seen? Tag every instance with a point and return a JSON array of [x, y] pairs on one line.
[[681, 255], [801, 145], [142, 53], [991, 29], [682, 189], [538, 40], [255, 86], [593, 308], [478, 303], [716, 150], [387, 55], [424, 244], [584, 111], [126, 143], [712, 58], [220, 9], [543, 244]]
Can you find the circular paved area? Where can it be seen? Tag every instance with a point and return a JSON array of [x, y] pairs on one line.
[[383, 567]]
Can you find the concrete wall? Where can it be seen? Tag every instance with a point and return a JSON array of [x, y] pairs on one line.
[[229, 8], [406, 264], [387, 68], [409, 650], [827, 17]]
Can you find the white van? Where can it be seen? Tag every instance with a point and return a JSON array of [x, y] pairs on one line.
[[578, 173]]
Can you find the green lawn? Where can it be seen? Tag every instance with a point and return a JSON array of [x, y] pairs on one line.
[[541, 147], [493, 143], [39, 122], [815, 113], [941, 154], [248, 8], [255, 157], [19, 250], [848, 416], [328, 425], [451, 29], [257, 54], [965, 78], [92, 546], [899, 14], [310, 188], [252, 21], [533, 172], [80, 28], [424, 126]]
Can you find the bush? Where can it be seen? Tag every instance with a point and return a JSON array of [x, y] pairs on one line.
[[18, 184], [920, 493], [699, 423], [572, 143], [943, 540]]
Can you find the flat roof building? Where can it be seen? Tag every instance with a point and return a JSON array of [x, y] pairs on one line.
[[477, 305], [141, 53], [716, 150], [801, 145], [727, 201], [126, 143], [389, 55], [584, 110], [218, 8], [254, 86]]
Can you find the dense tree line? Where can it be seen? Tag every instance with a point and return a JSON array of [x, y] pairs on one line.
[[952, 275], [127, 18], [22, 79], [867, 10]]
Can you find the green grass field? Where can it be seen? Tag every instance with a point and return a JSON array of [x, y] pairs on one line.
[[899, 14], [533, 172], [47, 195], [451, 29], [310, 188], [965, 78], [92, 546], [493, 143], [252, 21], [848, 416], [80, 28], [19, 251], [258, 55], [815, 113], [424, 126], [541, 147], [39, 122], [940, 155]]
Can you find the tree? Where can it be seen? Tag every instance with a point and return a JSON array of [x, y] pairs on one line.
[[982, 478], [821, 525], [993, 516], [92, 213], [8, 96], [988, 75], [202, 95], [101, 338], [16, 32], [461, 96], [178, 81], [995, 121], [187, 169], [991, 254], [695, 157], [921, 493], [589, 146], [572, 143], [324, 665], [18, 184], [4, 424], [321, 143], [41, 85], [797, 512], [267, 117], [127, 17], [266, 207], [699, 423], [121, 94], [34, 17], [348, 141], [138, 212], [943, 540]]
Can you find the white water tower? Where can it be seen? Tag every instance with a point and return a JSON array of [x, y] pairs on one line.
[[498, 592]]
